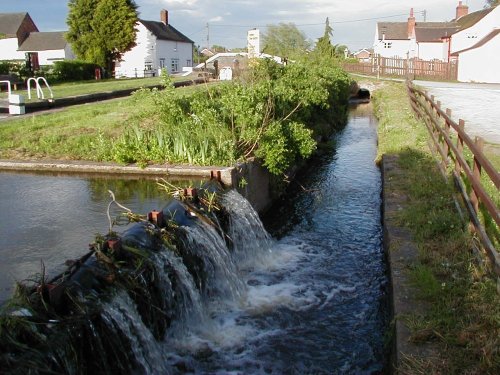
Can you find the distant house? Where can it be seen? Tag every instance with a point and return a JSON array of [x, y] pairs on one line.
[[363, 55], [14, 30], [158, 45], [434, 40], [20, 40]]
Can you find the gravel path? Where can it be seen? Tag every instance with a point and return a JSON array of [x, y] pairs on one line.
[[477, 104]]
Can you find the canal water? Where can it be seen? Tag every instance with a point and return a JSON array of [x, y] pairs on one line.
[[310, 297], [51, 219]]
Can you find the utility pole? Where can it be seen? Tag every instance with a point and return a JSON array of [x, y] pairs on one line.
[[208, 36], [424, 13]]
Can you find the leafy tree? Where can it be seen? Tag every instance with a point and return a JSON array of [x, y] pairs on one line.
[[100, 31], [285, 40]]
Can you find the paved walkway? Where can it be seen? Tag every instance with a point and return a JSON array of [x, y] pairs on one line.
[[477, 104]]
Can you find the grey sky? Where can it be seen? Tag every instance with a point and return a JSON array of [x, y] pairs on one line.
[[353, 21]]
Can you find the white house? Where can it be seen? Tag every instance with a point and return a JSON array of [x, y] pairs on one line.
[[158, 45], [14, 29], [48, 46], [481, 62]]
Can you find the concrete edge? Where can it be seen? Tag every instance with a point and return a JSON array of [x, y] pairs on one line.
[[72, 167], [402, 255], [251, 179]]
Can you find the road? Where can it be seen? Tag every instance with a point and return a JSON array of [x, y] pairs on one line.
[[477, 104]]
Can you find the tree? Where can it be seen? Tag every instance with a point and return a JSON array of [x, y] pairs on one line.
[[285, 40], [492, 3], [323, 45], [100, 31]]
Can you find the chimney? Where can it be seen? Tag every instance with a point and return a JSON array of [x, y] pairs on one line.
[[462, 10], [411, 25], [164, 16]]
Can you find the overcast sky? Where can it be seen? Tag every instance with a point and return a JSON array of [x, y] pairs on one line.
[[353, 21]]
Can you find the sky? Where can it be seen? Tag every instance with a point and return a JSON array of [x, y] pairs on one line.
[[228, 21]]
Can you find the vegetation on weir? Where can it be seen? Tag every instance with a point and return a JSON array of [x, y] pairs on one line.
[[462, 318], [273, 112]]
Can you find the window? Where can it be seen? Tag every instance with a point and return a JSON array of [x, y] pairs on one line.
[[387, 44], [188, 62], [148, 65], [174, 65], [162, 63]]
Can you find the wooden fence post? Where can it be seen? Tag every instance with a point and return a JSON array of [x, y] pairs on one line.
[[476, 171], [460, 147]]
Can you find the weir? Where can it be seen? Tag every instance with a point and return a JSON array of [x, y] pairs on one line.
[[114, 309]]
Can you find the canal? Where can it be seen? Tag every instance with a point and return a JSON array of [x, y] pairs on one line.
[[309, 297]]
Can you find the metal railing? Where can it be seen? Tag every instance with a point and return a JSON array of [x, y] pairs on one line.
[[466, 173]]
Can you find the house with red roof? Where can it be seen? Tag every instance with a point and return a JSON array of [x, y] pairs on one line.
[[467, 39]]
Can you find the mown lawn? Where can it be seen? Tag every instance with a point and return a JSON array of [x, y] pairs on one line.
[[463, 318]]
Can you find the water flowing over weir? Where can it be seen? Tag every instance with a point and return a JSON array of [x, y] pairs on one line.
[[221, 296]]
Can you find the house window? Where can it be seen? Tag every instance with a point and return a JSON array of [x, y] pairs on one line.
[[175, 48], [471, 36], [148, 65], [162, 63], [387, 44], [188, 62], [174, 65]]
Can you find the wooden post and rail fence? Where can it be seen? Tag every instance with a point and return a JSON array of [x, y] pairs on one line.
[[453, 144], [405, 68]]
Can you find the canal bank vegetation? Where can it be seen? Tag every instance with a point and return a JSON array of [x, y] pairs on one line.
[[276, 113], [454, 281]]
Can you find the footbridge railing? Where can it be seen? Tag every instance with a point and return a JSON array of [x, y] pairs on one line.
[[475, 177]]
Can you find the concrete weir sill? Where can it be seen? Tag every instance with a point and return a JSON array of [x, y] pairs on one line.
[[402, 255], [250, 178]]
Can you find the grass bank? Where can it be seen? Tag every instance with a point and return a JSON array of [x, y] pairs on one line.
[[63, 90], [81, 132], [462, 319]]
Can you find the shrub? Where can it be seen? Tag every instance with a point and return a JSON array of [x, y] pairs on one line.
[[72, 70]]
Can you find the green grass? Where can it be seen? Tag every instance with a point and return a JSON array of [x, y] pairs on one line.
[[463, 314], [83, 132], [62, 90]]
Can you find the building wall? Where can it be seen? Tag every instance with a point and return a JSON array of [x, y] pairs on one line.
[[468, 37], [180, 52], [26, 27], [48, 57], [133, 62], [8, 50], [481, 64], [431, 51], [398, 48]]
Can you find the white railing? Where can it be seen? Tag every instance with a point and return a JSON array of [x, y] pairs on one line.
[[39, 91]]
